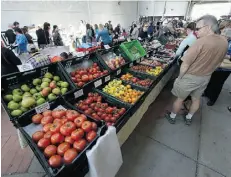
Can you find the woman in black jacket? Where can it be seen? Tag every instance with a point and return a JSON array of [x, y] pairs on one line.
[[9, 61], [43, 35]]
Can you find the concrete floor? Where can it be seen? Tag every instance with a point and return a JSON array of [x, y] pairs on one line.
[[159, 149]]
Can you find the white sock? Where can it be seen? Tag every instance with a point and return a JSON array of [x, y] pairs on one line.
[[189, 116], [173, 115]]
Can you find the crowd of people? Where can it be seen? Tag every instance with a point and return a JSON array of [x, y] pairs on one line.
[[203, 56]]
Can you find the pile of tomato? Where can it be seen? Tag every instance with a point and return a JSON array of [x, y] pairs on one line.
[[65, 134], [96, 108]]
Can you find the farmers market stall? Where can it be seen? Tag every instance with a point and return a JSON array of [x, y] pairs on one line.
[[61, 109]]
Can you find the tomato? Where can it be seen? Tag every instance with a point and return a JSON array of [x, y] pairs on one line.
[[48, 135], [86, 126], [70, 155], [109, 110], [50, 150], [84, 78], [62, 148], [47, 113], [80, 144], [113, 119], [77, 134], [55, 127], [116, 116], [94, 126], [58, 120], [36, 119], [80, 84], [43, 143], [68, 139], [91, 136], [71, 115], [57, 138], [64, 120], [82, 115], [57, 114], [46, 127], [46, 119], [55, 161], [122, 111], [67, 128], [79, 121], [37, 136]]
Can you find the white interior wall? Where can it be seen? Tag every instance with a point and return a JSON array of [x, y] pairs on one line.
[[67, 12], [157, 8]]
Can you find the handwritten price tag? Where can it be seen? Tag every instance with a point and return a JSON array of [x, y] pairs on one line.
[[43, 107], [25, 67], [98, 83], [131, 65], [78, 93], [107, 47], [107, 78]]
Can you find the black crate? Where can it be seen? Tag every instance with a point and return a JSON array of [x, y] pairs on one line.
[[86, 61], [117, 51], [139, 76], [73, 99], [134, 106], [15, 80], [79, 166]]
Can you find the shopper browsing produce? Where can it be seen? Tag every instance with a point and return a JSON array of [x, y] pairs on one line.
[[188, 41], [21, 41], [200, 61], [57, 39], [135, 32], [43, 35], [104, 35], [219, 76]]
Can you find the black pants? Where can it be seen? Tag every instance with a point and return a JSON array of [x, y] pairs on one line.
[[215, 85]]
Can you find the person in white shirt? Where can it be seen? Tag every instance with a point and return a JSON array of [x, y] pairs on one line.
[[188, 41], [135, 32]]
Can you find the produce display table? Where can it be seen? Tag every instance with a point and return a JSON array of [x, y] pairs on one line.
[[130, 125]]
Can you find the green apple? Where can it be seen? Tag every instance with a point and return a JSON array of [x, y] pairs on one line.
[[44, 84], [56, 78], [37, 96], [48, 75], [59, 83], [46, 80], [40, 101], [64, 84], [33, 91], [38, 88], [13, 105], [16, 112], [37, 81], [8, 97], [23, 109], [17, 98], [28, 102], [64, 90], [52, 97], [25, 88], [17, 91], [56, 91]]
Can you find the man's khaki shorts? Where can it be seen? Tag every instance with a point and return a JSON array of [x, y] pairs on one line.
[[190, 85]]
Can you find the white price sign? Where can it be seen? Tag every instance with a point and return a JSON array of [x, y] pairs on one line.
[[107, 47], [98, 83], [107, 78], [131, 65], [25, 67], [78, 93], [118, 72], [43, 107]]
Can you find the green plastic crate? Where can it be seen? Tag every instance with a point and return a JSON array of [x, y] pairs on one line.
[[133, 50]]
